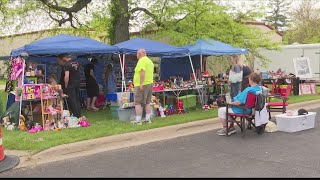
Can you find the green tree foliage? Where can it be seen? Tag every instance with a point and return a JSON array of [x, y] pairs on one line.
[[305, 24], [187, 20], [279, 13]]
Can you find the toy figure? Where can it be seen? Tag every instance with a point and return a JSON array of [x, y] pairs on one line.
[[11, 126], [131, 86], [51, 110], [166, 110], [83, 122], [17, 67], [5, 121], [205, 107], [180, 107], [161, 111], [38, 127], [47, 125], [171, 110], [22, 125]]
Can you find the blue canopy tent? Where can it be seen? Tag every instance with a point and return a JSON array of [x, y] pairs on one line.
[[202, 47], [46, 50], [52, 46], [153, 48], [64, 43]]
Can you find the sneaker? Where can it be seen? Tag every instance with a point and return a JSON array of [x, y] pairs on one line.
[[232, 130], [148, 121], [136, 122], [223, 132]]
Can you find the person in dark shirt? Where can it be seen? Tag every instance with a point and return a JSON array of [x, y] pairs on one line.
[[61, 81], [72, 83], [245, 76], [91, 85]]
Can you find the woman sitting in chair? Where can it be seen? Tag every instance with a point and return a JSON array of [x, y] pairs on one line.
[[240, 99]]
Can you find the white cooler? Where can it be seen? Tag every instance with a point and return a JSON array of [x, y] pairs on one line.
[[295, 123]]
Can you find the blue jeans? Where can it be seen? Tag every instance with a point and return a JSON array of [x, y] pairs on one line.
[[234, 89]]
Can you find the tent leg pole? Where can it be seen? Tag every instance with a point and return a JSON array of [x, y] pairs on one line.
[[201, 63], [121, 72], [123, 80], [194, 74]]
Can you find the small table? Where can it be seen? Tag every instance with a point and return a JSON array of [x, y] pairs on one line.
[[201, 90]]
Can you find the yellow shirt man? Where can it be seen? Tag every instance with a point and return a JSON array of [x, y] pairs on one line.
[[147, 65]]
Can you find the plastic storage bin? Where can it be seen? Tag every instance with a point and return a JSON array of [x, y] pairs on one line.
[[114, 112], [126, 114], [295, 123], [116, 98]]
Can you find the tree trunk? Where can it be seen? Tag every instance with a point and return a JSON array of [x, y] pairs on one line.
[[122, 25]]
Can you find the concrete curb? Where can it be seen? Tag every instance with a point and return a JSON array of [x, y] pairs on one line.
[[93, 146]]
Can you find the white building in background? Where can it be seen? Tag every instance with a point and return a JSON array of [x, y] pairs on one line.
[[284, 58]]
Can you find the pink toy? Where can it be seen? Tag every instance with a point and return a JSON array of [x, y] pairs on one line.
[[83, 122], [38, 127], [47, 126], [33, 130], [51, 110], [17, 68], [205, 107]]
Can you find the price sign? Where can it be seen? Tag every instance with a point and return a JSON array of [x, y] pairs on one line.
[[30, 89], [30, 96]]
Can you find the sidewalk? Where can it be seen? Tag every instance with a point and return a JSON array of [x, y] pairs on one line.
[[93, 146]]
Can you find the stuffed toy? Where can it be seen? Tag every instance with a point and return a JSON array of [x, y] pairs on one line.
[[47, 125], [131, 86], [171, 110], [72, 122], [180, 107], [22, 125], [61, 124], [11, 126], [5, 121], [161, 110], [205, 107], [83, 122]]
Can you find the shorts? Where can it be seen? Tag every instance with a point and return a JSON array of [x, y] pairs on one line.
[[222, 112], [143, 96]]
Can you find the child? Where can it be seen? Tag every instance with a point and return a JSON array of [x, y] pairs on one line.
[[101, 99], [52, 79]]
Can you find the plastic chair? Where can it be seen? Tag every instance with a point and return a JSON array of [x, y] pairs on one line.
[[232, 117], [281, 103]]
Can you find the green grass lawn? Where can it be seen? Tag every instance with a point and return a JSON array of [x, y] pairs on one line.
[[2, 82], [102, 125]]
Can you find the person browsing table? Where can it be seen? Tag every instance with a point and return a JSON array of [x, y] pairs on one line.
[[143, 83], [72, 83]]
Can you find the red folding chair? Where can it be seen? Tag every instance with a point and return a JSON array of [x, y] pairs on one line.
[[232, 117], [281, 103]]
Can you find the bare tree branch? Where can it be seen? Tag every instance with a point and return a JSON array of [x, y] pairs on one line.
[[79, 5], [76, 7]]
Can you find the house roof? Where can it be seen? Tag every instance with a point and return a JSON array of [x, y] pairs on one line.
[[259, 23]]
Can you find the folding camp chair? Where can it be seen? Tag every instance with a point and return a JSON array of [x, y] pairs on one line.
[[278, 106], [246, 120]]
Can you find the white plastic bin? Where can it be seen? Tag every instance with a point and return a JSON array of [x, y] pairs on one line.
[[295, 123], [126, 114]]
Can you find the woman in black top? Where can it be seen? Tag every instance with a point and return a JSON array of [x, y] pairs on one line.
[[245, 80], [91, 85]]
